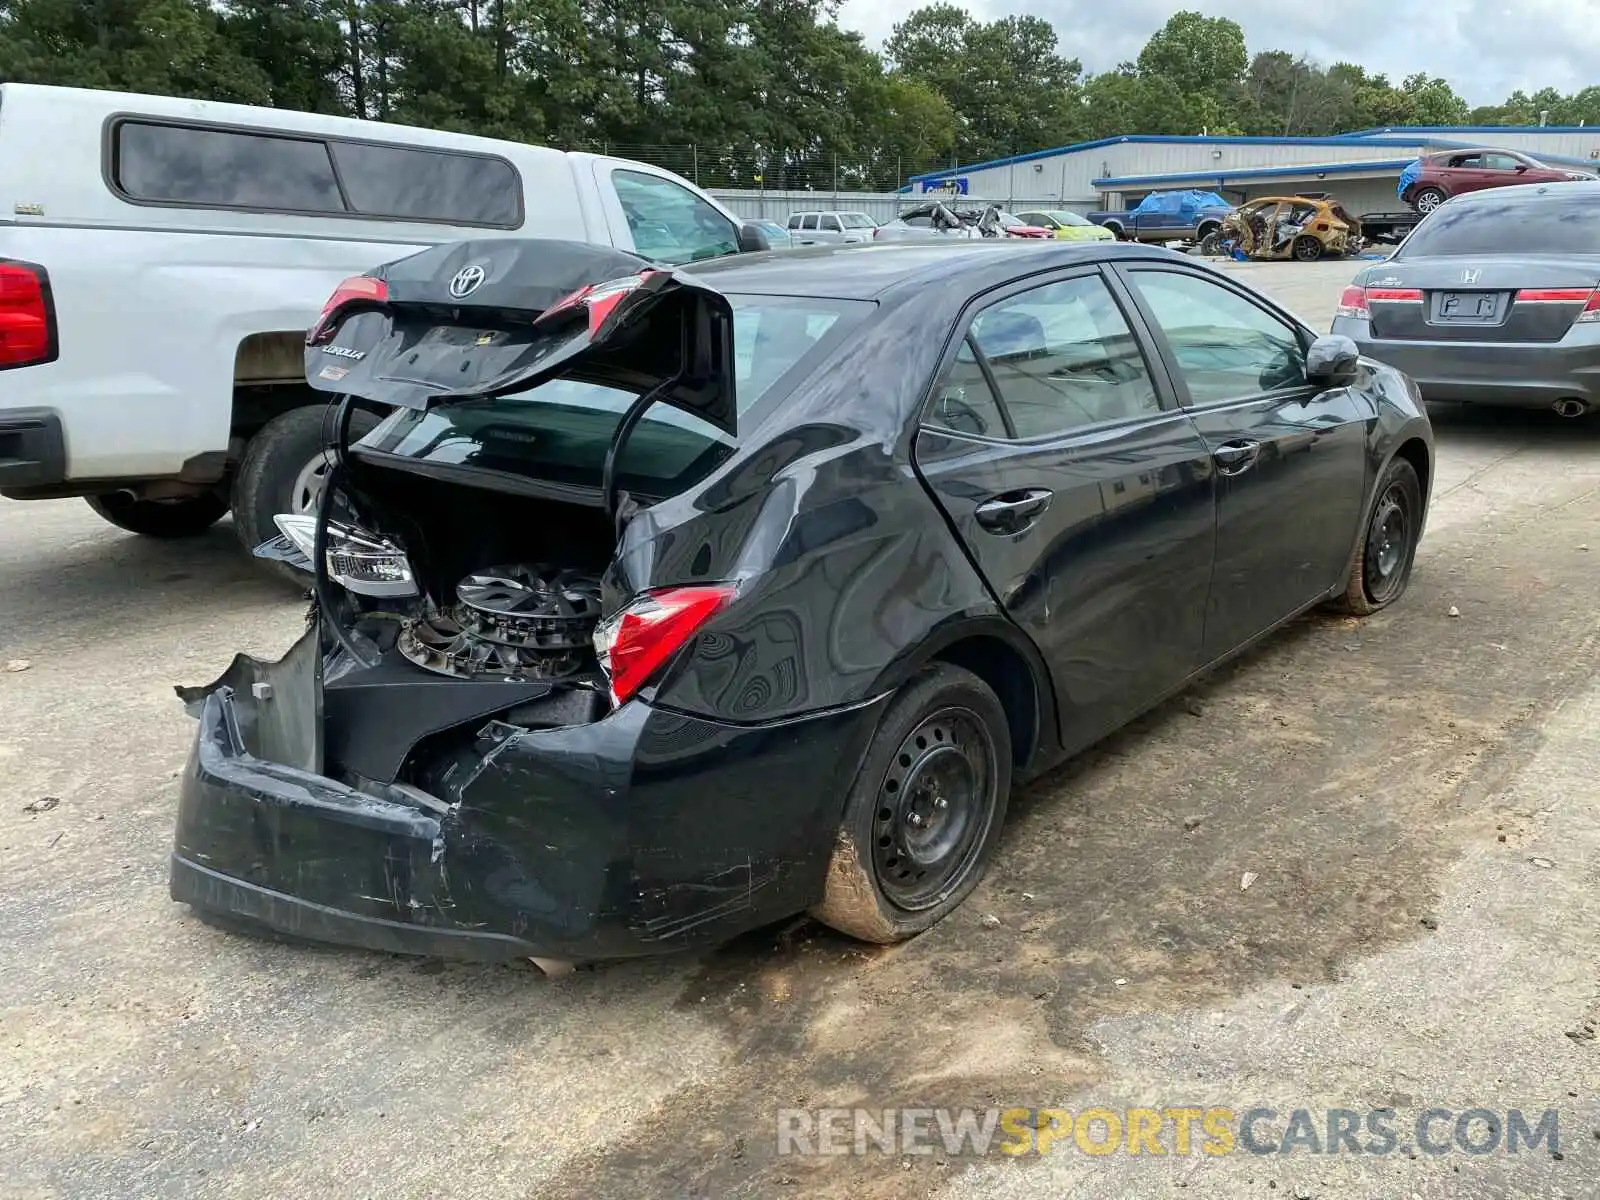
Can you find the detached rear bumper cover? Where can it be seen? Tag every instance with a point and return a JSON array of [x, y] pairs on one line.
[[644, 832]]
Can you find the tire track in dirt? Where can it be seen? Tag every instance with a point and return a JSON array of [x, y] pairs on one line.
[[1343, 764]]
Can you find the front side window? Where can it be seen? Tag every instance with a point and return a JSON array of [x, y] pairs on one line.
[[1063, 358], [831, 223], [1226, 347], [176, 164], [1501, 162], [670, 223], [810, 222]]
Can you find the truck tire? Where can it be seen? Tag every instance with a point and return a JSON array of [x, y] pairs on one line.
[[282, 471], [1116, 230], [161, 518]]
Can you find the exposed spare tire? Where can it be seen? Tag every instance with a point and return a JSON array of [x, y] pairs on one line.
[[180, 518]]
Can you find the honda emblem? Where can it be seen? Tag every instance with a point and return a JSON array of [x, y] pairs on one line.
[[1470, 275], [466, 281]]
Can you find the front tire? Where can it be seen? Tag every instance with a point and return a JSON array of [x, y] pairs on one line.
[[924, 814], [165, 519], [1380, 569]]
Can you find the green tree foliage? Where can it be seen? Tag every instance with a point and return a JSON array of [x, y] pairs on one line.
[[732, 92]]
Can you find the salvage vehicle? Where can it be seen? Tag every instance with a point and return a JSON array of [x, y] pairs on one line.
[[1434, 178], [1279, 228], [1067, 225], [1188, 216], [665, 604], [161, 259], [1491, 300], [939, 220]]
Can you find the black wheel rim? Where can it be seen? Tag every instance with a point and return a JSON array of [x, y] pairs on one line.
[[1308, 250], [934, 808], [1388, 553]]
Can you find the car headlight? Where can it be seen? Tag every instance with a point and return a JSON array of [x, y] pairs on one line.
[[358, 561]]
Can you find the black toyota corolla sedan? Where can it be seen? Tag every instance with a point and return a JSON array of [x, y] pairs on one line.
[[660, 605]]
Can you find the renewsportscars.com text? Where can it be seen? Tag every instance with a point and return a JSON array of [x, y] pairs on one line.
[[1177, 1130]]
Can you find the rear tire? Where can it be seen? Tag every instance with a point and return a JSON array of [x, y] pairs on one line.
[[924, 814], [1306, 249], [280, 474], [1425, 200], [165, 519], [1380, 568]]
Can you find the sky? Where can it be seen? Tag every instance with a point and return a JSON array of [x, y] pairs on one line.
[[1485, 48]]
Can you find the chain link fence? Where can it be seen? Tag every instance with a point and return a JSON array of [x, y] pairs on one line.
[[755, 168]]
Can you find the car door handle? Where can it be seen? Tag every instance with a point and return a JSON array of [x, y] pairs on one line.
[[1011, 512], [1237, 457]]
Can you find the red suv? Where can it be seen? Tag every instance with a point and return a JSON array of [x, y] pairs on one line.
[[1452, 172]]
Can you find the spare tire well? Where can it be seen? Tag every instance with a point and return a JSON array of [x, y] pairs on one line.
[[1008, 675]]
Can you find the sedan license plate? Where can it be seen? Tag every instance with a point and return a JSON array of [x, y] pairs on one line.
[[1468, 308]]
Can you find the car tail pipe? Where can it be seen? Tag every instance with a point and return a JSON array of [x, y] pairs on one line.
[[1570, 408]]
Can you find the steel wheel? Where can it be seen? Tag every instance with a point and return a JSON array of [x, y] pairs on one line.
[[1390, 542], [934, 807]]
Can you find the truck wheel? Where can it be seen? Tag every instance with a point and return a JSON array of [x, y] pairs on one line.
[[160, 518], [1427, 199], [283, 469]]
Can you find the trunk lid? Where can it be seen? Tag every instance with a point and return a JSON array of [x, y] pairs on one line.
[[1479, 299], [491, 316]]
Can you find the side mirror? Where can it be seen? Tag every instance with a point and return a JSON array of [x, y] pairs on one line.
[[753, 238], [1522, 168], [1332, 360]]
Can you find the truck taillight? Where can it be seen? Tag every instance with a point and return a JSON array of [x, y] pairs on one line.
[[637, 642], [358, 289], [27, 316]]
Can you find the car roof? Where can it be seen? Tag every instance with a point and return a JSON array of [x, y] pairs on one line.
[[1529, 193], [871, 271]]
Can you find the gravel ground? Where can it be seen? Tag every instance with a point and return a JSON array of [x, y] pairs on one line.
[[1412, 796]]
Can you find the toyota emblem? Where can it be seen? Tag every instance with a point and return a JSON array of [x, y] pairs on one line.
[[466, 281]]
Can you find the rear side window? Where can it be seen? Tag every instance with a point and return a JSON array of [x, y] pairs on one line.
[[426, 185], [234, 169], [1559, 226]]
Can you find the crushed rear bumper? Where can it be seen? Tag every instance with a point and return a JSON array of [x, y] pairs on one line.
[[644, 832]]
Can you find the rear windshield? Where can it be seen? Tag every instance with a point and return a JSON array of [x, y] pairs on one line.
[[561, 430], [1557, 225], [1071, 218]]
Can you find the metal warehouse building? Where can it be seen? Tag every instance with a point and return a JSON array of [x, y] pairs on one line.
[[1360, 169]]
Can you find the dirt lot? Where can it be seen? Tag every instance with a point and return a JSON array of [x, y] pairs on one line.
[[1413, 796]]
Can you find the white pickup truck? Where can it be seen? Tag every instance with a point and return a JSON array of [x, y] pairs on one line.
[[161, 260]]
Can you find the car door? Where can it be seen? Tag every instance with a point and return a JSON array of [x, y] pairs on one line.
[[1291, 456], [829, 229], [1466, 173], [1084, 496]]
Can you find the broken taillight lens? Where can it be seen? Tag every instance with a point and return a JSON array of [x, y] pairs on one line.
[[599, 298], [637, 642], [358, 289], [27, 336]]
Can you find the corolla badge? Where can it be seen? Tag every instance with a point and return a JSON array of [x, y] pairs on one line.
[[1470, 275], [466, 281]]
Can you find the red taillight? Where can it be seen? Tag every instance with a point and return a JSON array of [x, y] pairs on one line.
[[1588, 297], [358, 289], [1353, 303], [27, 332], [1356, 300], [635, 643], [599, 298]]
